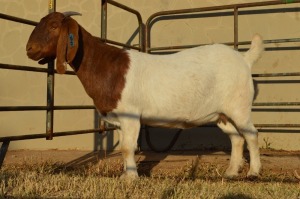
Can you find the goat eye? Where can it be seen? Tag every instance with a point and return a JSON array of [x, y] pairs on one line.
[[53, 26]]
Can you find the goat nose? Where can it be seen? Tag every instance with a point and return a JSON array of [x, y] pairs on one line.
[[28, 47]]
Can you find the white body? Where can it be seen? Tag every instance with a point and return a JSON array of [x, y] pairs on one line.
[[187, 89]]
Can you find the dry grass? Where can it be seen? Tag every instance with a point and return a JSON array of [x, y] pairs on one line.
[[54, 180]]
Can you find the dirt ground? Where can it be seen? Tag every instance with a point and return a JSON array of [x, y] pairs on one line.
[[278, 162]]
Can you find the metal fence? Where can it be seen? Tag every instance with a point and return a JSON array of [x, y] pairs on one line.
[[50, 71], [234, 10], [145, 46]]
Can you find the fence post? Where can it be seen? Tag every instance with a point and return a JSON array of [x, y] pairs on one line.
[[3, 151], [236, 28], [50, 86]]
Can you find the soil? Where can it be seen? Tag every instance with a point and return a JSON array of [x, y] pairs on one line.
[[278, 162]]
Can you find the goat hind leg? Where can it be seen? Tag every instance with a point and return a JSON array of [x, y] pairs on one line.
[[237, 145], [249, 132], [251, 137]]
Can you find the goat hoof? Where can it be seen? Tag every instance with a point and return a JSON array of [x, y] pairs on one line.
[[129, 176], [252, 177], [231, 176], [231, 173]]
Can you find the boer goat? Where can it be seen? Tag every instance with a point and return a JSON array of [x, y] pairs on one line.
[[207, 84]]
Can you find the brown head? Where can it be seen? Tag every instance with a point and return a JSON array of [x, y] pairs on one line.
[[56, 36]]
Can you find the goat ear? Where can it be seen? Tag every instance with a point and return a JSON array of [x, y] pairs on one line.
[[67, 44]]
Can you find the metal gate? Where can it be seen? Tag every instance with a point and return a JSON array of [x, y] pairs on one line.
[[50, 108], [145, 46]]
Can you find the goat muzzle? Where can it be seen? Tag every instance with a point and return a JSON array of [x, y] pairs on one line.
[[33, 51]]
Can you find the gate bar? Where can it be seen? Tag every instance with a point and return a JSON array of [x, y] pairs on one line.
[[235, 27], [3, 151], [271, 41], [80, 107], [104, 24], [17, 19], [56, 134], [206, 9], [44, 108], [50, 86], [31, 69]]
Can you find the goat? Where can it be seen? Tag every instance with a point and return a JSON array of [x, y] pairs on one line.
[[207, 84]]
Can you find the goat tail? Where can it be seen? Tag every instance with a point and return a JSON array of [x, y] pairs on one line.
[[255, 51]]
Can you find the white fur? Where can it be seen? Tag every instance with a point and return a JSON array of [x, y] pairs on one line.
[[187, 89]]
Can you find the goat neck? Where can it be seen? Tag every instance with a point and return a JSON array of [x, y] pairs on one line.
[[101, 69]]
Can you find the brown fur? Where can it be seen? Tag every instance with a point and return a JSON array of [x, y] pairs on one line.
[[101, 68], [65, 52]]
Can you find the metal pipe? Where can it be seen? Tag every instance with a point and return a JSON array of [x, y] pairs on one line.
[[3, 151], [276, 104], [43, 108], [50, 86], [139, 18], [277, 125], [204, 9], [226, 43], [23, 68], [119, 44], [216, 8], [277, 74], [17, 19], [31, 69], [56, 134], [236, 28], [104, 24], [103, 19]]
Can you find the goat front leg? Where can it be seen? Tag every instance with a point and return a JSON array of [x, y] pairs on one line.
[[128, 136]]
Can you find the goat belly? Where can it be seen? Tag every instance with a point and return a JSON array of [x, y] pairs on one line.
[[177, 122]]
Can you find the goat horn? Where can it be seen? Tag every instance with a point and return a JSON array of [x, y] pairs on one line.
[[71, 13]]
